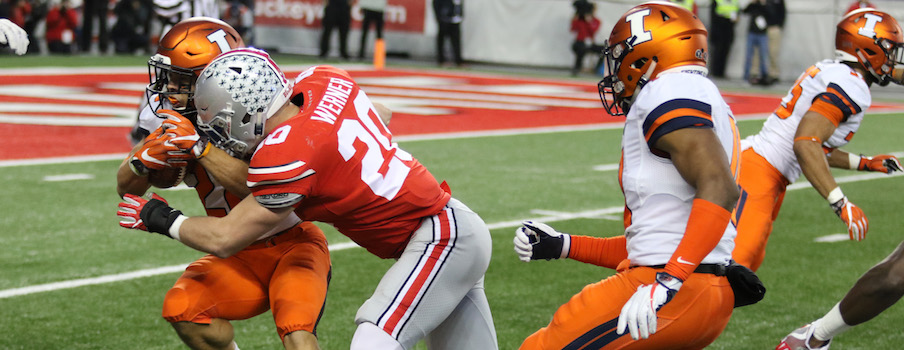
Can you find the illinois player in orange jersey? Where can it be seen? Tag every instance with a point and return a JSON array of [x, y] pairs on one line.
[[285, 269], [680, 155], [320, 151], [821, 113]]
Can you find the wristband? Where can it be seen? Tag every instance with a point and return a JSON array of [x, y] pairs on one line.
[[854, 161], [138, 167], [201, 153], [835, 195], [159, 217], [566, 245], [174, 229]]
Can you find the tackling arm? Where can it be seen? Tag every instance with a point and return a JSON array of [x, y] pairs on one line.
[[228, 235], [222, 237], [229, 171]]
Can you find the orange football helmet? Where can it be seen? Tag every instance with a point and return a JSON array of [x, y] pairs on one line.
[[647, 40], [181, 55], [873, 39]]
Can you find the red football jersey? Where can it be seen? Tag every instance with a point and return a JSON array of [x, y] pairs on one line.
[[335, 162]]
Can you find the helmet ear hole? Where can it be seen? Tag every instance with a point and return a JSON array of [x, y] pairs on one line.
[[869, 52], [639, 63], [246, 119]]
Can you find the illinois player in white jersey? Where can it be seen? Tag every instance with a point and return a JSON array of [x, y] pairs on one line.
[[333, 160], [820, 114], [680, 154], [866, 30], [287, 269]]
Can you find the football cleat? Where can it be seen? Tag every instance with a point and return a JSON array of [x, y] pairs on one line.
[[799, 339]]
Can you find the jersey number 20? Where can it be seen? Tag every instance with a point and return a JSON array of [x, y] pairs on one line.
[[383, 166]]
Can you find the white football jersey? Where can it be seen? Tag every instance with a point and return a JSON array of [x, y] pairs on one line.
[[217, 201], [658, 201], [839, 83]]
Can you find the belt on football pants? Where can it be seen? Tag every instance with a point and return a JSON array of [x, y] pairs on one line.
[[712, 269]]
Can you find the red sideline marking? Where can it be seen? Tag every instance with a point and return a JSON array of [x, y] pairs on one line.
[[27, 141]]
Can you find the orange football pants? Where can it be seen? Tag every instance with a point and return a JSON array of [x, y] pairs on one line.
[[288, 273], [692, 320], [762, 191]]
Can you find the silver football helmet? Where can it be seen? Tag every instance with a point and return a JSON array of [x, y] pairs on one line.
[[235, 95]]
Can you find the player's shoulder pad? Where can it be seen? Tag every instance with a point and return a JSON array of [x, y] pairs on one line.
[[311, 85], [847, 84], [672, 91]]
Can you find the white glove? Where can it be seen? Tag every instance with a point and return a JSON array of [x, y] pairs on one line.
[[639, 314], [536, 240], [14, 36]]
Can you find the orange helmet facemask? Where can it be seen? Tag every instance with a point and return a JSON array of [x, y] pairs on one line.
[[181, 55], [874, 40], [647, 40]]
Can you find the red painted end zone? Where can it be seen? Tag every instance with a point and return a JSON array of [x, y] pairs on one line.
[[468, 103]]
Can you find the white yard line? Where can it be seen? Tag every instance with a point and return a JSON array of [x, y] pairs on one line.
[[544, 216]]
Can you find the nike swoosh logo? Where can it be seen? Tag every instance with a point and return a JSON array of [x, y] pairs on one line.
[[147, 157], [681, 260]]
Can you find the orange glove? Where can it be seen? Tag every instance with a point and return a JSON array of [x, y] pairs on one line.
[[884, 163], [183, 135], [851, 214], [157, 153]]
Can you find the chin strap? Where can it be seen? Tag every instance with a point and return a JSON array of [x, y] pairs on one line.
[[641, 82], [869, 68]]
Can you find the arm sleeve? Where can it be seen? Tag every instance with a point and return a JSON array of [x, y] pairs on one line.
[[705, 227], [599, 251]]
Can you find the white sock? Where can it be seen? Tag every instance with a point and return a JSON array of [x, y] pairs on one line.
[[830, 325], [369, 336], [235, 346]]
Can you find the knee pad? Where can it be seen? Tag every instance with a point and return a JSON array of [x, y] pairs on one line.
[[369, 336], [175, 303], [177, 307]]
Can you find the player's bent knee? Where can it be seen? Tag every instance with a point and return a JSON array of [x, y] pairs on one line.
[[369, 336], [175, 305]]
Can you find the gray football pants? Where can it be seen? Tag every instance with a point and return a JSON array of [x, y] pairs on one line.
[[435, 290]]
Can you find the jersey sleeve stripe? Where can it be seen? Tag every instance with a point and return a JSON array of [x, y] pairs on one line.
[[676, 114], [672, 115], [276, 169], [831, 107], [254, 181], [846, 99]]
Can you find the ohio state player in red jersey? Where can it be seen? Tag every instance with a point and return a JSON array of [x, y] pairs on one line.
[[333, 160], [286, 271]]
